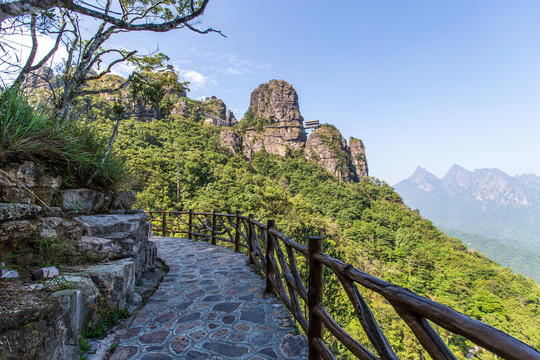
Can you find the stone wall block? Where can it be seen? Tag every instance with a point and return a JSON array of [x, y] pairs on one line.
[[31, 176], [123, 200], [115, 282], [70, 324], [119, 236], [45, 273], [85, 201], [10, 212], [90, 295]]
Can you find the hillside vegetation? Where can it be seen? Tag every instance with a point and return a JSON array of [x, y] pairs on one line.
[[520, 260], [175, 163]]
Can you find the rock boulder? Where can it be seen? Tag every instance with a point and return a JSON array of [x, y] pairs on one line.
[[119, 236], [14, 180], [19, 211]]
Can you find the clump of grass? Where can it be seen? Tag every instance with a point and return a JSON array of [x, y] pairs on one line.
[[84, 346], [65, 148], [100, 329]]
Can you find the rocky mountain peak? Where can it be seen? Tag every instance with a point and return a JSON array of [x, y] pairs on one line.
[[231, 119], [421, 175], [483, 185], [424, 179], [276, 101], [273, 123], [458, 177], [327, 146], [215, 107], [496, 185]]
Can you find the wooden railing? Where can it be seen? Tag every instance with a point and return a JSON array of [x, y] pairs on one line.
[[276, 255]]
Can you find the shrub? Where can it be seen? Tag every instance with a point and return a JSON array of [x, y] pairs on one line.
[[69, 149]]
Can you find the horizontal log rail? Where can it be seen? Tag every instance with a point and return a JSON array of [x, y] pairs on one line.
[[265, 246]]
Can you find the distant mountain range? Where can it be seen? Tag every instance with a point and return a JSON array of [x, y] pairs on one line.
[[500, 208]]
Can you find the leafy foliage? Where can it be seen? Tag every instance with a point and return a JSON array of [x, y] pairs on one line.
[[151, 91]]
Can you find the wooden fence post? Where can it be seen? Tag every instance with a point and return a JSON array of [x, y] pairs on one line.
[[250, 239], [315, 295], [190, 226], [269, 251], [237, 233], [214, 226], [163, 221]]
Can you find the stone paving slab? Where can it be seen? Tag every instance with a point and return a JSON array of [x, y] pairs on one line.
[[210, 305]]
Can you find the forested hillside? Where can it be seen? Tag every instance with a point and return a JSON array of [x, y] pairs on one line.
[[520, 260], [175, 161]]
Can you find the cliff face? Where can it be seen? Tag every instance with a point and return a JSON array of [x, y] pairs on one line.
[[273, 122], [276, 106], [230, 139], [327, 146], [358, 157], [274, 139], [276, 101]]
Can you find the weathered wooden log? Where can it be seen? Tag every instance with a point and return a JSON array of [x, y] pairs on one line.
[[269, 252], [481, 334], [287, 270], [277, 276], [430, 340], [354, 346], [226, 229], [214, 225], [322, 350], [315, 296], [251, 254], [292, 287], [296, 273], [163, 220], [288, 241], [179, 218], [237, 233], [256, 246], [366, 318]]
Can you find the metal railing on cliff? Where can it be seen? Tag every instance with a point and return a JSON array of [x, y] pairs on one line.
[[276, 255]]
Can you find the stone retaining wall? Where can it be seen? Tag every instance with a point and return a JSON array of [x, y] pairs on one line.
[[40, 323]]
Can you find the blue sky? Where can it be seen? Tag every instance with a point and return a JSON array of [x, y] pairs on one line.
[[427, 83]]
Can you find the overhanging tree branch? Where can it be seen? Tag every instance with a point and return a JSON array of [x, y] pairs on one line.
[[24, 7]]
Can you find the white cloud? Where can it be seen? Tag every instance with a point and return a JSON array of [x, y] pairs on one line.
[[123, 69], [197, 81], [218, 64]]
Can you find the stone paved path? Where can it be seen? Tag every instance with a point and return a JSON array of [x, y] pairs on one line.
[[211, 305]]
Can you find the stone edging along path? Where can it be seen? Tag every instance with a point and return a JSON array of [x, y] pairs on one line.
[[210, 305]]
